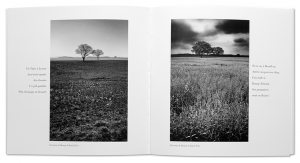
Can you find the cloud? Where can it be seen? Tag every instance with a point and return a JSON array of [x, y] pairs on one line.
[[231, 35], [203, 27], [233, 26], [181, 34], [179, 45], [242, 42]]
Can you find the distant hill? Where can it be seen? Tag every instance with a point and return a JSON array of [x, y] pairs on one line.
[[66, 58], [100, 57], [193, 55]]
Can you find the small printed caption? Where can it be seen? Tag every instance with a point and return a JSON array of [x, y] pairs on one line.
[[185, 145], [261, 80], [38, 80], [63, 145]]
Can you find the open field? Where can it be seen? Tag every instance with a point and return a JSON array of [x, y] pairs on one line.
[[209, 99], [88, 100], [87, 58]]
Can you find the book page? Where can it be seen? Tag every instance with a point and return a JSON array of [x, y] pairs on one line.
[[78, 81], [222, 81]]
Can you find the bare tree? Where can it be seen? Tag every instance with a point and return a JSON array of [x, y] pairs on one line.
[[84, 50], [97, 53]]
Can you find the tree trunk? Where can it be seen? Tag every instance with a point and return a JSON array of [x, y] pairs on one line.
[[98, 58], [83, 58]]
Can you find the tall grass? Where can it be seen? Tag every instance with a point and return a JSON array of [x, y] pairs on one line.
[[209, 99]]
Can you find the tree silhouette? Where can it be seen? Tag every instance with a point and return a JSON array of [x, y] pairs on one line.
[[201, 48], [84, 50], [97, 53], [217, 51]]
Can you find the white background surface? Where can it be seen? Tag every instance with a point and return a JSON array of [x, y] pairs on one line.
[[153, 3]]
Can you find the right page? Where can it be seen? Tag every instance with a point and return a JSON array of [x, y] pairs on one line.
[[222, 81]]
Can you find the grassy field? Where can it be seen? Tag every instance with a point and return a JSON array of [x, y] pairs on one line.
[[209, 99], [88, 100]]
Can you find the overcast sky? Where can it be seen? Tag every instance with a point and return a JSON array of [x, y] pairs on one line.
[[110, 36], [231, 35]]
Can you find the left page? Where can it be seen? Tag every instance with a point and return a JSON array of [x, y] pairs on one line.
[[78, 81]]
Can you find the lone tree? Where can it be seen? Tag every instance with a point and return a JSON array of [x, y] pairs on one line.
[[84, 50], [97, 53], [217, 51], [201, 48]]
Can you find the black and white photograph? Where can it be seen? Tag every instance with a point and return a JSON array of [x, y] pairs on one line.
[[89, 80], [209, 80]]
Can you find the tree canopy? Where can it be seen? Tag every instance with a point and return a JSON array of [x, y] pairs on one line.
[[84, 50], [217, 51], [97, 53], [201, 48]]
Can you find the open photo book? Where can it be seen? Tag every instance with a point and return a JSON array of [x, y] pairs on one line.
[[178, 81]]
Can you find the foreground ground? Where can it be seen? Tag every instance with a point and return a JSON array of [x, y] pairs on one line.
[[209, 99], [88, 100]]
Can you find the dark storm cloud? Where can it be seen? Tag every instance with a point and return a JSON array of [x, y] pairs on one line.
[[233, 26], [231, 35], [182, 34], [241, 42], [180, 45]]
